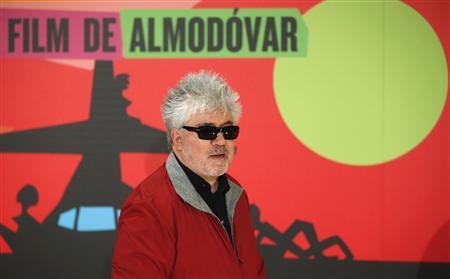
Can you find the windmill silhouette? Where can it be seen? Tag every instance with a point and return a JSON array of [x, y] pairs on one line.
[[77, 238]]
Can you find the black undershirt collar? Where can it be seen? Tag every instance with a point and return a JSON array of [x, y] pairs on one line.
[[216, 201]]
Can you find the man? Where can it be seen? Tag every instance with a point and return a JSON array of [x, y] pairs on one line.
[[189, 219]]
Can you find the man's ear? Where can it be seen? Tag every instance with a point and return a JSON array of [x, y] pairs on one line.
[[176, 139]]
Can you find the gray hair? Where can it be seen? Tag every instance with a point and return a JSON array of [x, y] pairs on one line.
[[198, 92]]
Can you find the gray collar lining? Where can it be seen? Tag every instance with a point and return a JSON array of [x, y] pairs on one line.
[[184, 188]]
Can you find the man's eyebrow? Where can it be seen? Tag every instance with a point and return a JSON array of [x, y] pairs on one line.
[[205, 124], [226, 123], [212, 124]]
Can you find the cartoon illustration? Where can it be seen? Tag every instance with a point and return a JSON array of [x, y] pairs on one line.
[[86, 217]]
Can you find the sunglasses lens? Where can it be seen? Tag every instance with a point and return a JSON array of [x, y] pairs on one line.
[[230, 132], [207, 132]]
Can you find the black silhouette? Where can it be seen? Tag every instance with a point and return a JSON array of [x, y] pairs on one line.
[[97, 182], [19, 241], [284, 240]]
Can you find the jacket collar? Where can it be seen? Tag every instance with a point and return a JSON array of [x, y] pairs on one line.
[[184, 188]]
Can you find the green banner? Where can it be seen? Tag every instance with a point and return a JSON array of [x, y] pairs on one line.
[[213, 33]]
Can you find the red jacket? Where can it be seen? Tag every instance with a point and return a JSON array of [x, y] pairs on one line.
[[166, 230]]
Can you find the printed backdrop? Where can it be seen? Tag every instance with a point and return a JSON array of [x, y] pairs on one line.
[[344, 144]]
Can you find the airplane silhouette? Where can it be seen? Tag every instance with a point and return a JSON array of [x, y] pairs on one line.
[[75, 233]]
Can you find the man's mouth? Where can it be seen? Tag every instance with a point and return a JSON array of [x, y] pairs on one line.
[[218, 156]]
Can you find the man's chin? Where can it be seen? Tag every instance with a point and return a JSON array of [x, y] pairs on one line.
[[217, 171]]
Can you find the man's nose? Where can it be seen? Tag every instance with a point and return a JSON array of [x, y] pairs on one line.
[[220, 140]]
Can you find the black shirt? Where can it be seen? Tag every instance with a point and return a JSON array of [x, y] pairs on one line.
[[215, 201]]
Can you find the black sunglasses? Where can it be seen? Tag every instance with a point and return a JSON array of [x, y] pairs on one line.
[[210, 132]]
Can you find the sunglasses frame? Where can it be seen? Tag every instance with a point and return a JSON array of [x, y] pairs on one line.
[[215, 131]]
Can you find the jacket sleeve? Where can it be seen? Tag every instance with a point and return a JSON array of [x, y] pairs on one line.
[[144, 248]]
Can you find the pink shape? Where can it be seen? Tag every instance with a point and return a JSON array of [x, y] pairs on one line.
[[85, 64]]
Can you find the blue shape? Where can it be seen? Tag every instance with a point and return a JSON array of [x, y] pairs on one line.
[[118, 213], [67, 219], [96, 218]]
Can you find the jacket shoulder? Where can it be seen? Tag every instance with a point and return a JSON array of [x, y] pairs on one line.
[[156, 190]]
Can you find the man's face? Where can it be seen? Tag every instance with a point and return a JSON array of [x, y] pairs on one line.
[[207, 158]]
